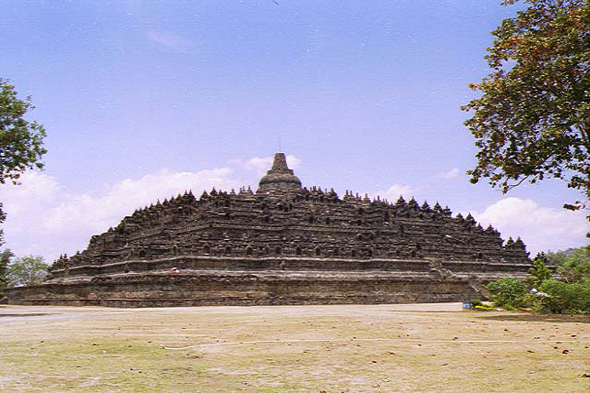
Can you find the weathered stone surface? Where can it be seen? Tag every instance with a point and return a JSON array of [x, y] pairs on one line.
[[283, 244]]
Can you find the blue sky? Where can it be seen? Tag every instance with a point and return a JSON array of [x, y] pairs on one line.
[[141, 99]]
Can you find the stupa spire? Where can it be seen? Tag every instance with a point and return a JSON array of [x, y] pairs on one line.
[[279, 179], [279, 165]]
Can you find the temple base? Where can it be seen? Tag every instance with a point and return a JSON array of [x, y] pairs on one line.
[[361, 284]]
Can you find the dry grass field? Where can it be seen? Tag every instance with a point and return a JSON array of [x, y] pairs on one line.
[[383, 348]]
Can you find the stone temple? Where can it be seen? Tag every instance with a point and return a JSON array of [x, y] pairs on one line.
[[283, 244]]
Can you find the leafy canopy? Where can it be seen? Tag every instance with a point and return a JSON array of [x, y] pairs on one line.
[[539, 271], [571, 298], [21, 141], [573, 264], [4, 262], [532, 119], [30, 270]]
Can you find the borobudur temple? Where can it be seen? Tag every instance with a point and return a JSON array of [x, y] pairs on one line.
[[283, 244]]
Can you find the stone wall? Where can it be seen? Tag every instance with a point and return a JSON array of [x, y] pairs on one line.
[[199, 281], [207, 289]]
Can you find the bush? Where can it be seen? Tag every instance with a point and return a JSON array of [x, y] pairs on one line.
[[476, 302], [483, 307], [508, 293], [539, 271], [572, 264], [564, 297]]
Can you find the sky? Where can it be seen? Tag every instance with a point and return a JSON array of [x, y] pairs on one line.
[[142, 100]]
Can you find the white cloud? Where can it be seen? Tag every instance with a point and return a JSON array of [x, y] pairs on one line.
[[170, 40], [541, 228], [394, 192], [453, 173], [126, 195], [45, 218]]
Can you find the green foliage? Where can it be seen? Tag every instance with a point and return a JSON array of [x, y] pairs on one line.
[[21, 141], [558, 258], [569, 294], [539, 271], [532, 120], [4, 262], [508, 293], [483, 307], [572, 264], [25, 271], [476, 302], [564, 297]]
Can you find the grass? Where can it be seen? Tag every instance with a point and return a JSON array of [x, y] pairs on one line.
[[384, 348]]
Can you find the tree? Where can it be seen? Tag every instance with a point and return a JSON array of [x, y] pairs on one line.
[[4, 262], [572, 264], [558, 258], [564, 297], [25, 271], [532, 120], [21, 141], [540, 271]]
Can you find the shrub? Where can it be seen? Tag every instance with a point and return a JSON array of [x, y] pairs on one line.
[[483, 307], [572, 264], [476, 302], [564, 297], [539, 271], [508, 293]]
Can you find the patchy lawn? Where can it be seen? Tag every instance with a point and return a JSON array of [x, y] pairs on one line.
[[382, 348]]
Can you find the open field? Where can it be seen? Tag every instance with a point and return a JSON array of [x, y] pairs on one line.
[[383, 348]]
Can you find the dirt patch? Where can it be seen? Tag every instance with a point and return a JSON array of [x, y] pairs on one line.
[[352, 348]]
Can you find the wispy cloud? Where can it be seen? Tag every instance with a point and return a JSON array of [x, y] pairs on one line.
[[170, 40], [453, 173]]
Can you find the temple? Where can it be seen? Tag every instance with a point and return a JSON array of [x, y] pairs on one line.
[[283, 244]]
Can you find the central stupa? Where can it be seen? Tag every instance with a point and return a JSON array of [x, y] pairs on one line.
[[279, 180], [284, 244]]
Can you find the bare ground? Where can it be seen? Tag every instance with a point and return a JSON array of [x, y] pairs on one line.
[[351, 348]]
